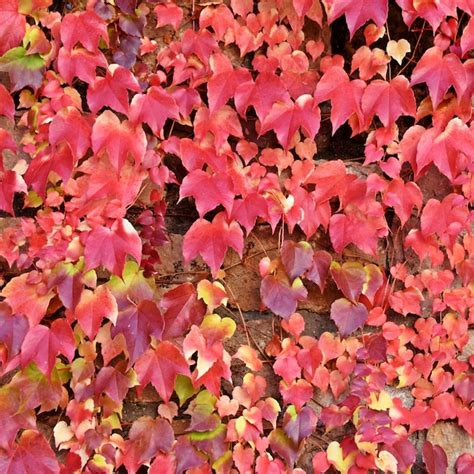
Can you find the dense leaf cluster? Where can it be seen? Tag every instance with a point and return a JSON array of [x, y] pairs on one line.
[[107, 105]]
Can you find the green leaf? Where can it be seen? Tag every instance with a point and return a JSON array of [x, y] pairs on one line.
[[24, 70]]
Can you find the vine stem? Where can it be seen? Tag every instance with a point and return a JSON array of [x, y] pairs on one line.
[[411, 59]]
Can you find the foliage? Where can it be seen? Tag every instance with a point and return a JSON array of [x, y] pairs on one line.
[[119, 102]]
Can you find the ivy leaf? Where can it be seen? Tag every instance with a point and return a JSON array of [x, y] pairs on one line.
[[267, 89], [31, 455], [85, 27], [345, 96], [168, 14], [153, 108], [403, 197], [440, 72], [211, 240], [112, 90], [160, 366], [208, 190], [389, 100], [224, 81], [283, 446], [27, 297], [285, 119], [357, 12], [319, 270], [24, 69], [93, 307], [13, 329], [80, 63], [7, 106], [435, 458], [42, 344], [70, 127], [138, 323], [465, 464], [182, 310], [297, 258], [12, 27], [113, 383], [349, 278], [146, 439], [10, 183], [348, 316], [110, 246], [281, 297], [119, 139]]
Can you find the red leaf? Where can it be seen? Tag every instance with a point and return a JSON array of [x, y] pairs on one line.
[[93, 307], [138, 323], [285, 119], [109, 246], [7, 106], [182, 310], [465, 464], [345, 96], [31, 455], [153, 108], [435, 458], [113, 383], [224, 81], [42, 345], [267, 89], [389, 100], [319, 271], [348, 316], [70, 127], [30, 299], [80, 63], [13, 329], [10, 183], [440, 72], [281, 297], [211, 240], [403, 197], [246, 211], [297, 258], [147, 438], [349, 278], [168, 14], [84, 27], [12, 26], [222, 123], [357, 12], [160, 367], [208, 190], [119, 140], [112, 90]]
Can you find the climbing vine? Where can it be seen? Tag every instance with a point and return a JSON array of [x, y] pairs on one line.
[[114, 111]]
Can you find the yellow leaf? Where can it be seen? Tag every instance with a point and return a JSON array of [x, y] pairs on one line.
[[382, 402], [398, 49], [336, 457]]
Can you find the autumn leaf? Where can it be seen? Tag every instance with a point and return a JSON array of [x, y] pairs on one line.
[[93, 307], [32, 454], [112, 90], [84, 27], [440, 72], [211, 240], [285, 119], [109, 246], [153, 108], [160, 366], [280, 296], [24, 69], [119, 139], [348, 316]]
